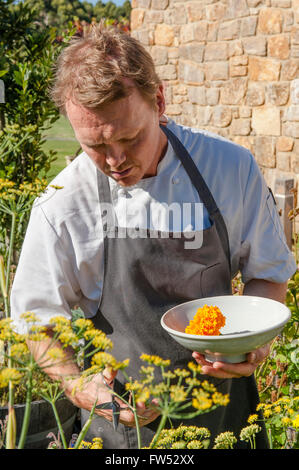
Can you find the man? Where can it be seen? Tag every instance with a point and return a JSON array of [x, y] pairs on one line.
[[107, 243]]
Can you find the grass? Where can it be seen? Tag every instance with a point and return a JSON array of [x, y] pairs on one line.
[[61, 139]]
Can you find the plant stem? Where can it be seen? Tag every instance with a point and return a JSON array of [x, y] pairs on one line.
[[160, 428], [10, 250], [27, 413], [136, 422], [85, 427], [59, 424]]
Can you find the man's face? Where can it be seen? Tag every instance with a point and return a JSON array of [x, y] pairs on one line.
[[122, 138]]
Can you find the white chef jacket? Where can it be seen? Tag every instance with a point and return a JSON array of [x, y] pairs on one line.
[[61, 263]]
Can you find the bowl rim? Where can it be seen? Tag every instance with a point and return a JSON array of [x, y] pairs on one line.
[[226, 336]]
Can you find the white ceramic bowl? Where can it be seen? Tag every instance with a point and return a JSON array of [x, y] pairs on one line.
[[251, 322]]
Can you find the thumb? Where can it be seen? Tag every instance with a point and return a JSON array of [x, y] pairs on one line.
[[109, 375]]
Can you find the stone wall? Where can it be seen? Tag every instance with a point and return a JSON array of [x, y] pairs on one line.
[[231, 67]]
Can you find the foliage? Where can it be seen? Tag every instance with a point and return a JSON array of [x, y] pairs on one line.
[[58, 13]]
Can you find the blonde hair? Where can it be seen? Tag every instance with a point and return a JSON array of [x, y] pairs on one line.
[[94, 70]]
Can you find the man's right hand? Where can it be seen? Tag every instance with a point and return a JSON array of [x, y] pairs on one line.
[[98, 388]]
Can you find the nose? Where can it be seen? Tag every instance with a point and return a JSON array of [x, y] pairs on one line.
[[115, 157]]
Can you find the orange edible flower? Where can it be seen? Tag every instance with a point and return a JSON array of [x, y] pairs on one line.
[[207, 321]]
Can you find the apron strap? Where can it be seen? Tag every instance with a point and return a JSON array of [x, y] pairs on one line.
[[201, 187]]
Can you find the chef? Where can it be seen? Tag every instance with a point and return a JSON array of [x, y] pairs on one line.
[[151, 214]]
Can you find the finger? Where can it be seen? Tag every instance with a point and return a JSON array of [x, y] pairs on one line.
[[109, 375], [258, 355]]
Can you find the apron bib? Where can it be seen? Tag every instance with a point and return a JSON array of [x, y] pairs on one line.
[[146, 274]]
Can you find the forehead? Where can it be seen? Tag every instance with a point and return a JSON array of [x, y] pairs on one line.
[[110, 121]]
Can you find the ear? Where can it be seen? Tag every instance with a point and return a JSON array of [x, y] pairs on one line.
[[160, 100]]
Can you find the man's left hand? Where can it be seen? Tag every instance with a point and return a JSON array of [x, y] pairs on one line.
[[225, 370]]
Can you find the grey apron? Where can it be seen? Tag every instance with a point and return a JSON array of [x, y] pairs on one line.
[[147, 274]]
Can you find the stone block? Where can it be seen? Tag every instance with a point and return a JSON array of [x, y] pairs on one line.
[[197, 95], [295, 35], [292, 113], [222, 116], [253, 3], [278, 93], [216, 12], [266, 120], [173, 109], [167, 72], [180, 90], [200, 31], [270, 21], [248, 26], [240, 127], [193, 51], [289, 69], [195, 11], [154, 16], [136, 19], [263, 69], [142, 4], [212, 96], [159, 55], [291, 129], [164, 35], [237, 8], [264, 151], [239, 60], [255, 95], [233, 91], [216, 52], [178, 14], [283, 161], [159, 4], [256, 45], [282, 3], [279, 46], [229, 30], [284, 144], [203, 115], [217, 71], [295, 164], [212, 33], [244, 141], [295, 91], [238, 71], [295, 50], [190, 73], [245, 112], [235, 48]]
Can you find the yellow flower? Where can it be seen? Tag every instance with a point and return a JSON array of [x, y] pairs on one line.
[[194, 367], [9, 374], [30, 317], [182, 373], [156, 360], [97, 443], [177, 394], [56, 354], [286, 421], [277, 409], [220, 399], [18, 350], [103, 359], [295, 422], [83, 323], [267, 413], [252, 419]]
